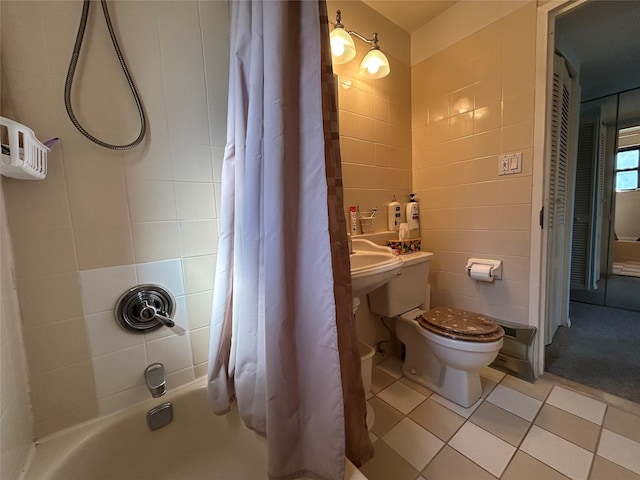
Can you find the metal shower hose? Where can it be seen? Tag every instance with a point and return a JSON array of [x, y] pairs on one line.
[[72, 70]]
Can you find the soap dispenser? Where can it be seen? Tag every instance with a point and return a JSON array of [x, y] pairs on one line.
[[394, 214], [413, 213]]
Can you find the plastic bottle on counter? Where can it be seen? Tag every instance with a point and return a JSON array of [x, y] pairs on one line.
[[413, 213], [394, 214]]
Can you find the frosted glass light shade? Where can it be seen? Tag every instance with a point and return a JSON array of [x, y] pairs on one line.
[[374, 65], [343, 49]]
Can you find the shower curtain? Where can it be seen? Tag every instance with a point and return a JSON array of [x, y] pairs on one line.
[[283, 342]]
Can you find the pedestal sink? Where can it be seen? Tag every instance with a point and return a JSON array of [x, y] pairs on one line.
[[371, 266]]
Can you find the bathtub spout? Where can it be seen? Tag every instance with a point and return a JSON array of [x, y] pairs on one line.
[[155, 379]]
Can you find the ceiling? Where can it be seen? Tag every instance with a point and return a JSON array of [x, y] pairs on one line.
[[410, 14], [602, 38]]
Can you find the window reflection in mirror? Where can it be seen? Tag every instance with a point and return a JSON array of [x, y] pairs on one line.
[[626, 251]]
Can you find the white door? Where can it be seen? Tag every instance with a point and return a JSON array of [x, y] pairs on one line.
[[559, 213]]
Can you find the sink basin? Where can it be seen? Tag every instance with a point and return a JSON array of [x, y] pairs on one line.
[[371, 266]]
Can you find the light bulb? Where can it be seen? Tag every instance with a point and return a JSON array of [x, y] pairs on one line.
[[373, 67], [342, 47], [337, 47]]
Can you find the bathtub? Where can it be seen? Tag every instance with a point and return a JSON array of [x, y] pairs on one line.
[[196, 445]]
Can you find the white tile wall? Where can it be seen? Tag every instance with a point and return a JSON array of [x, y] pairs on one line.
[[120, 357], [199, 305], [102, 287], [121, 370], [195, 237], [167, 274], [106, 336], [195, 200], [199, 273], [167, 190], [16, 419], [151, 200], [191, 163]]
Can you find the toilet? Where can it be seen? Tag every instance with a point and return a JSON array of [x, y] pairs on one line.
[[445, 348]]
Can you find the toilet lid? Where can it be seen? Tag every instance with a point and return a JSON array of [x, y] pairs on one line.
[[460, 325]]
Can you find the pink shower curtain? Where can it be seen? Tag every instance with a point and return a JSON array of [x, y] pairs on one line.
[[282, 295]]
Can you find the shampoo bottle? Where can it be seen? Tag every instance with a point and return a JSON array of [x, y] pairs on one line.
[[413, 213], [353, 220], [394, 212]]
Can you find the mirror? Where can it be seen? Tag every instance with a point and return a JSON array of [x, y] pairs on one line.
[[626, 245]]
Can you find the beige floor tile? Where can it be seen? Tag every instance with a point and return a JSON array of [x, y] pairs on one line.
[[401, 397], [415, 444], [416, 386], [449, 464], [515, 402], [487, 386], [560, 454], [603, 469], [558, 446], [380, 380], [503, 424], [391, 366], [492, 374], [490, 452], [539, 389], [525, 467], [621, 450], [386, 464], [622, 423], [386, 416], [439, 420], [578, 404], [568, 426], [454, 407]]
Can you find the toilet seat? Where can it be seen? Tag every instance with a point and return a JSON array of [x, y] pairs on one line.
[[460, 325]]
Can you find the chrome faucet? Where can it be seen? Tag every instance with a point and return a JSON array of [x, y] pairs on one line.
[[155, 379]]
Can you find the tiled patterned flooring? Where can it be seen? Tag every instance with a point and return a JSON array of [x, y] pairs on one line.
[[517, 431]]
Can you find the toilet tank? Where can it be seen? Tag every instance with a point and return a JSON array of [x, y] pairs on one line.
[[405, 292]]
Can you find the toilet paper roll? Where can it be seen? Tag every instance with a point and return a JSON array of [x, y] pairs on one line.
[[481, 272]]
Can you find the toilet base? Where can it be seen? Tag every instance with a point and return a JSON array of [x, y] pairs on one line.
[[461, 387]]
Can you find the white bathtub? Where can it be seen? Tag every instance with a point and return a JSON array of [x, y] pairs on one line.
[[196, 445]]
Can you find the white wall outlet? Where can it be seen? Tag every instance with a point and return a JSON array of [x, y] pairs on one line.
[[510, 163], [503, 165]]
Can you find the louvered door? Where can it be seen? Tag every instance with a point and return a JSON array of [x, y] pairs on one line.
[[589, 204], [559, 209]]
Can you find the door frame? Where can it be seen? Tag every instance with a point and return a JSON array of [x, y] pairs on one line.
[[545, 47]]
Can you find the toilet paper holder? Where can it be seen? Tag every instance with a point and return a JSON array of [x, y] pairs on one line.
[[496, 266]]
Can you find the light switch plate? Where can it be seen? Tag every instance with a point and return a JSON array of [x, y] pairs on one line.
[[510, 163]]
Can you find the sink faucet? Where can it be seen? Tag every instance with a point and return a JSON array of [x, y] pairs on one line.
[[350, 243], [155, 379]]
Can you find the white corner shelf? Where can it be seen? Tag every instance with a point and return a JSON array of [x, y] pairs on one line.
[[24, 157]]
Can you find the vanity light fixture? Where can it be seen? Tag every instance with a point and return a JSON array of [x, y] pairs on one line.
[[374, 65]]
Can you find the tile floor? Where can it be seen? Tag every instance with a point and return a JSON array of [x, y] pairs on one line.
[[516, 431]]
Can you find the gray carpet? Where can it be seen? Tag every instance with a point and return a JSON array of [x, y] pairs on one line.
[[601, 349]]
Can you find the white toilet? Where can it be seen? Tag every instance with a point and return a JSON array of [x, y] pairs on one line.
[[445, 348]]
